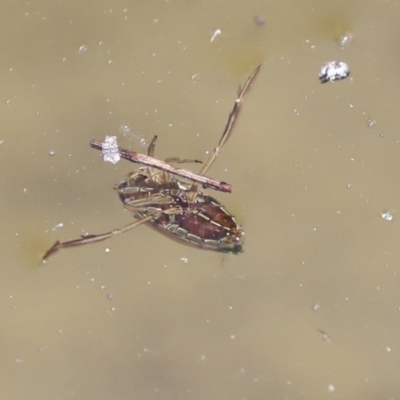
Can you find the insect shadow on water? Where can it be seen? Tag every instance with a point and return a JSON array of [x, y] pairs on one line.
[[176, 208]]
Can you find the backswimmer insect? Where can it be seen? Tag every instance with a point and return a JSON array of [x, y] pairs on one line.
[[176, 208]]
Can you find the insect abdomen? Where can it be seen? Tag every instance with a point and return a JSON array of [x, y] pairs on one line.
[[206, 224]]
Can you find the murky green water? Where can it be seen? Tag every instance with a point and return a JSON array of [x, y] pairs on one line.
[[310, 310]]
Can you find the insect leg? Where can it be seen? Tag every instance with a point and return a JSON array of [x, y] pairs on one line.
[[178, 160], [152, 146], [169, 160], [233, 115], [90, 238]]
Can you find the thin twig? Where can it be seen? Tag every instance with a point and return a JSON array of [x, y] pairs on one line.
[[155, 163]]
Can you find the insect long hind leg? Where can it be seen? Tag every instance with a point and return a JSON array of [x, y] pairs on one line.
[[88, 239], [233, 115]]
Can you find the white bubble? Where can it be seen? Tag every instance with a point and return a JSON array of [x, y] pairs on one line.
[[345, 40], [331, 388], [58, 226], [387, 215], [334, 71], [82, 48]]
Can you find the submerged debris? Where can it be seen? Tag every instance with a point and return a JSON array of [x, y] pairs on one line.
[[334, 71], [387, 215], [109, 149]]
